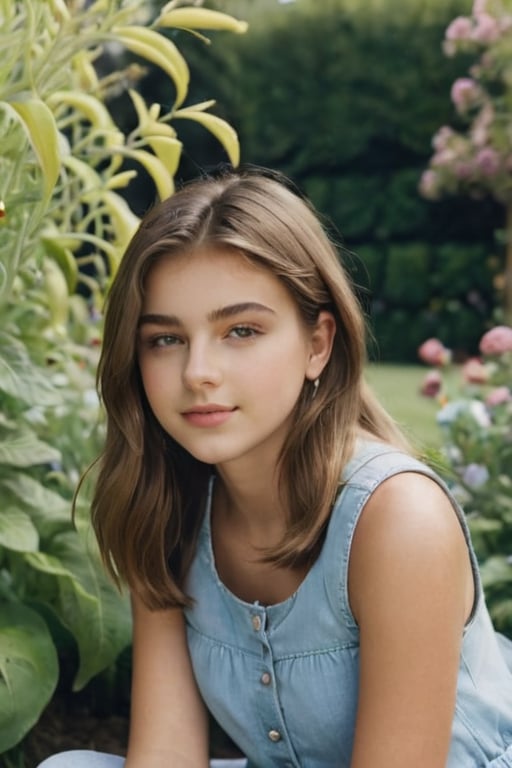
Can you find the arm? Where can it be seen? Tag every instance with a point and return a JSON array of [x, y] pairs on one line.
[[168, 726], [411, 591]]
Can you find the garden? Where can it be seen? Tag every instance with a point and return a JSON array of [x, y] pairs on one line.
[[104, 107]]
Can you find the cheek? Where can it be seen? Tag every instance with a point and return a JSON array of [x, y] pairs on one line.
[[156, 382]]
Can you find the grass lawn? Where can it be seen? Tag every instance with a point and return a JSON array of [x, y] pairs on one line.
[[398, 388]]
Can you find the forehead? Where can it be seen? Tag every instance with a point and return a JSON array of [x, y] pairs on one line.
[[212, 275]]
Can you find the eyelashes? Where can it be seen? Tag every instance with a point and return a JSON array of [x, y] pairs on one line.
[[240, 332]]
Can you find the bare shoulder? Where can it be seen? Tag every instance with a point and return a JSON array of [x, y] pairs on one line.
[[408, 536], [411, 508]]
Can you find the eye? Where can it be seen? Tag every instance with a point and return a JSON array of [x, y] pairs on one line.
[[163, 340], [243, 332]]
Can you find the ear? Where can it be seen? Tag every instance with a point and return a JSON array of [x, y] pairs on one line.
[[322, 338]]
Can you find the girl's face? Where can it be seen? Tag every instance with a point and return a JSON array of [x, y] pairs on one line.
[[224, 355]]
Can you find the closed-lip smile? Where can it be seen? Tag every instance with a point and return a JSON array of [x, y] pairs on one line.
[[211, 415], [209, 408]]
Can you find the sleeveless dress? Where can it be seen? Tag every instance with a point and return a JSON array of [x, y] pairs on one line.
[[282, 680]]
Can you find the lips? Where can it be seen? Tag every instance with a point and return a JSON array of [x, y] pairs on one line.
[[208, 415]]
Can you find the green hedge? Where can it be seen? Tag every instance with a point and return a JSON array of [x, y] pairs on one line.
[[345, 97]]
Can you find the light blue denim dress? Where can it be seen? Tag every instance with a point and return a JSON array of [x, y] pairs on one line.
[[282, 680]]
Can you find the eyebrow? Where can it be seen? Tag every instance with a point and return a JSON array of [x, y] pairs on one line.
[[217, 314]]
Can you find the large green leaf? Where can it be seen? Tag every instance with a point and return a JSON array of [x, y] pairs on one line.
[[20, 378], [28, 671], [50, 512], [23, 449], [17, 532], [87, 604]]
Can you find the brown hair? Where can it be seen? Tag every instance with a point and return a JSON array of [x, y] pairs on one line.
[[149, 496]]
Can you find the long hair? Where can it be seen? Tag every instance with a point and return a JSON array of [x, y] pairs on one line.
[[149, 497]]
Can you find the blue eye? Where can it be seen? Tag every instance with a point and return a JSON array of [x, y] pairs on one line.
[[164, 340], [243, 332]]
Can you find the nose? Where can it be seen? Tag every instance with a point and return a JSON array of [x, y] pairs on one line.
[[202, 366]]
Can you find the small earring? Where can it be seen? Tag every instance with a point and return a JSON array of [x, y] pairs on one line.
[[316, 384]]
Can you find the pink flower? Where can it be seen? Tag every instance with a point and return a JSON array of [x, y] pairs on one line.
[[498, 396], [465, 94], [459, 29], [442, 137], [479, 6], [431, 384], [486, 29], [474, 371], [433, 352], [488, 161], [429, 185], [444, 157], [463, 170], [496, 341]]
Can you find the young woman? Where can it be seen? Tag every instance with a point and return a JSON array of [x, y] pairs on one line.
[[293, 568]]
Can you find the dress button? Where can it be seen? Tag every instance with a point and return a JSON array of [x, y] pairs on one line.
[[274, 735], [265, 678], [256, 623]]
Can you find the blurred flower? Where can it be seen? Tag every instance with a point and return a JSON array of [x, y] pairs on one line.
[[479, 132], [479, 6], [463, 170], [479, 413], [429, 185], [433, 352], [486, 29], [431, 385], [442, 137], [498, 396], [488, 161], [465, 93], [449, 412], [496, 341], [459, 29], [455, 409], [475, 475], [474, 371]]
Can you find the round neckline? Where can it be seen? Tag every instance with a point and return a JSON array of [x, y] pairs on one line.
[[283, 605]]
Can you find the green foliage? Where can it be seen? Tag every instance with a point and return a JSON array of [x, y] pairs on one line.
[[63, 227], [28, 666]]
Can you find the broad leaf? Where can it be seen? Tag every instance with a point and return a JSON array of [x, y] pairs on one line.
[[20, 378], [24, 449], [28, 671], [88, 604], [49, 511], [17, 532]]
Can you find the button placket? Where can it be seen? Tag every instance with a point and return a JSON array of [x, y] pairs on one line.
[[272, 722]]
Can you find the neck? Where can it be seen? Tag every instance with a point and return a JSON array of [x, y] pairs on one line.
[[250, 501]]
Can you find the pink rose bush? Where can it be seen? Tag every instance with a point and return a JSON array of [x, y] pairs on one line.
[[432, 384], [497, 341], [474, 371], [476, 428], [433, 352], [477, 160]]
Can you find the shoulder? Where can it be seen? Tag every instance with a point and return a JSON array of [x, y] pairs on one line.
[[408, 542]]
